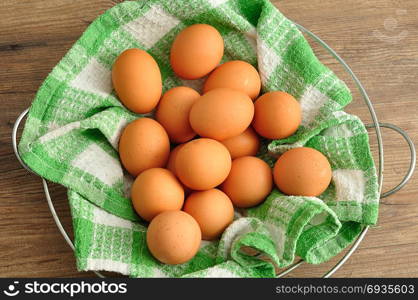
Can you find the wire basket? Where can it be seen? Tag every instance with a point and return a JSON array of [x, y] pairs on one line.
[[376, 125]]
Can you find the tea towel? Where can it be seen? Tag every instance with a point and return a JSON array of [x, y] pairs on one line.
[[74, 123]]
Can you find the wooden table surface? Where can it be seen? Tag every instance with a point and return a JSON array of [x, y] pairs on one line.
[[377, 38]]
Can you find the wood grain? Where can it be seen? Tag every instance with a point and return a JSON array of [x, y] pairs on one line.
[[35, 34]]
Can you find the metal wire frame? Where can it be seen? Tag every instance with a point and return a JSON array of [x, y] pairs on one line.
[[376, 125]]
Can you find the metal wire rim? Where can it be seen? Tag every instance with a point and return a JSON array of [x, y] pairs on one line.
[[375, 125]]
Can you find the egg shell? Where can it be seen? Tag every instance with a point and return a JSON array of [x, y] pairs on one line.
[[196, 51], [173, 113], [245, 144], [277, 115], [202, 164], [302, 172], [143, 144], [238, 75], [249, 182], [173, 237], [137, 81], [213, 211], [171, 165], [221, 114], [154, 191]]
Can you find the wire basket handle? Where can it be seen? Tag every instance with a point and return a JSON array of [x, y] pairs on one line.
[[412, 162]]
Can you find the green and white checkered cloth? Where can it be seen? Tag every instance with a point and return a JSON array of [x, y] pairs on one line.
[[72, 131]]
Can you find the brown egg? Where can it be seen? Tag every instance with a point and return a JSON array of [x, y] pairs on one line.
[[196, 51], [136, 78], [144, 144], [238, 75], [173, 237], [202, 164], [249, 182], [221, 114], [171, 164], [212, 210], [154, 191], [173, 113], [277, 115], [245, 144], [302, 172]]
